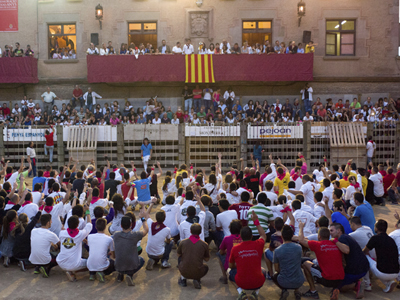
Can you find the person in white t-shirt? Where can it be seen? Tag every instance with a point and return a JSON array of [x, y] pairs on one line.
[[28, 208], [191, 218], [186, 201], [70, 257], [42, 240], [159, 244], [396, 236], [371, 146], [319, 207], [224, 218], [188, 47], [307, 189], [95, 200], [171, 215], [177, 49], [377, 179], [302, 216], [56, 194], [37, 195], [307, 117], [100, 245]]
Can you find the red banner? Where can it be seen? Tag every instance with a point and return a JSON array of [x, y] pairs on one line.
[[8, 15]]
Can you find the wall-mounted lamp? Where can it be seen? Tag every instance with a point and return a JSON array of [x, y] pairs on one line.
[[99, 14], [301, 10], [199, 3]]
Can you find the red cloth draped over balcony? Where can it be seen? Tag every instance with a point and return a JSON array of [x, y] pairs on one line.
[[230, 67], [18, 70]]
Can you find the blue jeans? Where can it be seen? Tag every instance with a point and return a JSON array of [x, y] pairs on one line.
[[197, 104], [188, 104], [259, 160], [165, 256], [307, 106], [300, 113], [73, 100], [206, 104], [51, 149], [33, 167], [392, 194], [369, 159], [89, 106]]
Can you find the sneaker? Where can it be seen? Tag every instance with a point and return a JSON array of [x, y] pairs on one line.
[[390, 286], [36, 271], [368, 287], [92, 277], [196, 284], [43, 272], [150, 264], [165, 265], [254, 295], [297, 295], [335, 294], [129, 281], [71, 276], [284, 294], [360, 286], [100, 277], [223, 280], [120, 277], [182, 282], [22, 265], [309, 294], [6, 262], [269, 276], [242, 296]]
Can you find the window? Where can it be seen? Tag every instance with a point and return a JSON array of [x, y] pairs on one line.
[[340, 37], [62, 38], [143, 33], [256, 31]]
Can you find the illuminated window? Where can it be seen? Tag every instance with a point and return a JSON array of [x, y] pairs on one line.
[[256, 31], [142, 33], [62, 37], [340, 38]]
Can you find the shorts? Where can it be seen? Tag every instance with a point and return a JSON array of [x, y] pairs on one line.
[[222, 258], [316, 273], [269, 255], [233, 272], [146, 158]]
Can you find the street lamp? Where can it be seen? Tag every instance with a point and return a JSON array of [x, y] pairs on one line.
[[301, 10], [99, 14]]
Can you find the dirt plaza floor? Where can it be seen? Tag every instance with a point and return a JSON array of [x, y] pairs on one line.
[[158, 283]]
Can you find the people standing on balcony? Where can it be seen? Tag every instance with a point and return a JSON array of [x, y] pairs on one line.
[[29, 51], [306, 96], [211, 49], [177, 49], [48, 98], [164, 48], [104, 50], [188, 47], [92, 50], [236, 49], [90, 98], [18, 52], [49, 136]]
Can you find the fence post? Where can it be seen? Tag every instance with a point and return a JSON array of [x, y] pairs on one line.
[[307, 143], [243, 143], [397, 145], [181, 144], [60, 146], [120, 144], [2, 148], [370, 129]]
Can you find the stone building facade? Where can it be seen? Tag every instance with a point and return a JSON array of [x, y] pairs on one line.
[[371, 64]]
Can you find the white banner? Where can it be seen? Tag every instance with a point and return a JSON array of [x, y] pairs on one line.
[[275, 132], [161, 132], [322, 132], [27, 134], [212, 130], [104, 133]]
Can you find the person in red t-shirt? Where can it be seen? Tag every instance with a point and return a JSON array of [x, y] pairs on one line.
[[245, 271], [394, 188], [242, 207], [388, 180], [6, 110], [48, 135], [329, 272], [126, 186], [77, 94]]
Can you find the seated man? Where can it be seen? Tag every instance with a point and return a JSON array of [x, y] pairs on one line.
[[191, 253], [42, 239], [329, 272], [386, 265], [70, 256], [287, 260], [245, 270]]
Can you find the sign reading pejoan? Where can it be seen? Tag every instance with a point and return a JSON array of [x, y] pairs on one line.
[[294, 131]]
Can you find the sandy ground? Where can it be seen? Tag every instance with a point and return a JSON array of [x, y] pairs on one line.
[[156, 284]]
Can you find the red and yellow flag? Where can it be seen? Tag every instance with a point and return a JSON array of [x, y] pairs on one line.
[[199, 68]]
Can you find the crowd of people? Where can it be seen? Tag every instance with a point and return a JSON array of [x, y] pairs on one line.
[[316, 225], [9, 51], [200, 106], [219, 48]]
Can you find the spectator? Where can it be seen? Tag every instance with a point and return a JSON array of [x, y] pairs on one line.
[[164, 48], [28, 51], [306, 96], [197, 98], [188, 47], [48, 98], [49, 146], [177, 49], [104, 50], [187, 95], [92, 50], [236, 49], [77, 94], [90, 98], [18, 52]]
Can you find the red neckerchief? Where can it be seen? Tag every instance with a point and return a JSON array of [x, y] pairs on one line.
[[94, 200], [156, 227], [8, 176], [281, 176], [295, 176], [194, 238], [371, 141], [48, 209], [286, 209], [346, 178], [90, 172], [26, 203], [73, 232], [12, 203], [12, 225], [356, 185], [246, 175], [115, 169]]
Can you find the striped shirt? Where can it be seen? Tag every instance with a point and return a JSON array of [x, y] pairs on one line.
[[264, 215]]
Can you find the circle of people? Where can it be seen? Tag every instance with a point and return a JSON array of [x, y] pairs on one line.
[[290, 213]]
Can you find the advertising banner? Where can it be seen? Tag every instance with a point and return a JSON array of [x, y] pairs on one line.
[[25, 135], [8, 15], [275, 132], [212, 131]]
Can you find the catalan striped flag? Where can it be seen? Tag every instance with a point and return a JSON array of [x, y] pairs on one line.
[[199, 68]]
